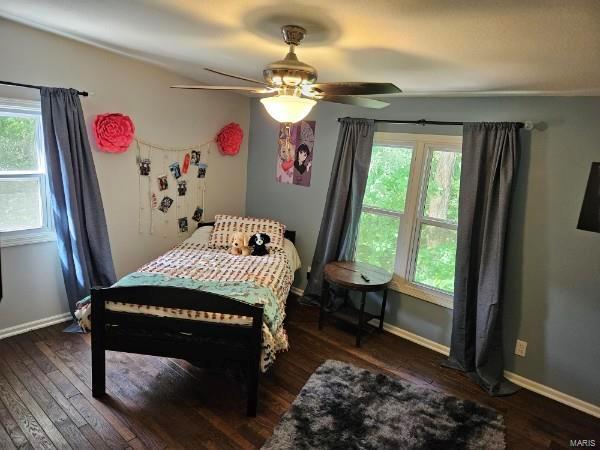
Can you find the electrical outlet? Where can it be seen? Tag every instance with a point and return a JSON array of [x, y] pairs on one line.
[[521, 348]]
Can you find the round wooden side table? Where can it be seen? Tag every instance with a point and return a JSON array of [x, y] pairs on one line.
[[359, 277]]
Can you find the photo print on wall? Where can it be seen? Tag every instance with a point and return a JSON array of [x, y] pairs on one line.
[[165, 204], [144, 165], [186, 163], [202, 170], [175, 169], [163, 183], [181, 187], [183, 225], [295, 153], [195, 158], [198, 214]]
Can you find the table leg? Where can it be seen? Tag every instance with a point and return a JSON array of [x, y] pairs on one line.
[[324, 296], [360, 318], [383, 303]]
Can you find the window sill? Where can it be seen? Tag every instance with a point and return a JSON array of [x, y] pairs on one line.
[[414, 290], [12, 240]]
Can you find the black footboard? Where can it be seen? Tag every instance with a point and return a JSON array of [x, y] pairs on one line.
[[194, 340]]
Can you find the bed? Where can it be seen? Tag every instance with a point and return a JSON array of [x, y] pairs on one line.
[[199, 303]]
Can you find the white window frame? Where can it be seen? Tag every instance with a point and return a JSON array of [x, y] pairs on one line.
[[412, 218], [45, 233]]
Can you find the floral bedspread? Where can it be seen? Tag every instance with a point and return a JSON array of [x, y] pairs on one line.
[[264, 280]]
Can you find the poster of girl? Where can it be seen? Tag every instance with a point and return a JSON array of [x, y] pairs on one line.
[[302, 165], [296, 152]]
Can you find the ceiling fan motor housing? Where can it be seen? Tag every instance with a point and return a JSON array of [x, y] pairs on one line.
[[290, 72]]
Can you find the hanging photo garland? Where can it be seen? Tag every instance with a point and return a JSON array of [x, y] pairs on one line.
[[172, 180], [170, 192]]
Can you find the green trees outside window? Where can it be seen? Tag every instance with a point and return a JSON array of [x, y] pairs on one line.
[[22, 180], [17, 143], [410, 210]]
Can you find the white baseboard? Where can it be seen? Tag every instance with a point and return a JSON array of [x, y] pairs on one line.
[[519, 380], [546, 391], [34, 325], [412, 337]]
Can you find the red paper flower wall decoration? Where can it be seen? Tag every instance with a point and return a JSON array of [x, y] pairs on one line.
[[113, 132], [229, 139]]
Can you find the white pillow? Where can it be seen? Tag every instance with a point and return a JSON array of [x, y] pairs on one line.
[[226, 226], [200, 236]]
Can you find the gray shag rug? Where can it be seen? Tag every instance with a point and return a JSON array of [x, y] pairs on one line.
[[344, 407]]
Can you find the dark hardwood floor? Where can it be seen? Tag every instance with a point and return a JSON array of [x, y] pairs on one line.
[[46, 399]]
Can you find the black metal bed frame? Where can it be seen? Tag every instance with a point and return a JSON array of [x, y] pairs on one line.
[[205, 344]]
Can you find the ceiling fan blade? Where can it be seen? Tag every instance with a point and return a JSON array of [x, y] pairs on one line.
[[238, 77], [355, 101], [352, 88], [255, 90]]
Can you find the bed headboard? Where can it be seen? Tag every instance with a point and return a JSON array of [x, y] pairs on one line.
[[289, 234]]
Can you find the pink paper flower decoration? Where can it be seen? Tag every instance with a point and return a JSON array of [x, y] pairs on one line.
[[229, 139], [113, 132]]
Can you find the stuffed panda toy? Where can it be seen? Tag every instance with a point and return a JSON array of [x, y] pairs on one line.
[[258, 242]]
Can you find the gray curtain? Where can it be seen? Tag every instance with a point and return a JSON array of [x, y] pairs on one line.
[[339, 225], [489, 163], [83, 245]]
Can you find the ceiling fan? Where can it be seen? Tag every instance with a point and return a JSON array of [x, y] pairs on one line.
[[295, 86]]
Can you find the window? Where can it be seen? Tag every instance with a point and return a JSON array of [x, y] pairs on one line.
[[24, 215], [410, 212]]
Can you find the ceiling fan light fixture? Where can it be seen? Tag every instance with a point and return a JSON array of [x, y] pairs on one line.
[[288, 108]]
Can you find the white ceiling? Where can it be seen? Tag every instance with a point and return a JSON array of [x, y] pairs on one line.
[[425, 47]]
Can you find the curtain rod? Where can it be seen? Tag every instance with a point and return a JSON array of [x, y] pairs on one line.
[[10, 83], [527, 125]]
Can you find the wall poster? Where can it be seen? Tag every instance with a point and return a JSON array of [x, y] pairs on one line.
[[295, 152]]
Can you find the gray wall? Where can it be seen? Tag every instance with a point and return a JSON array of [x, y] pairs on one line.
[[552, 289]]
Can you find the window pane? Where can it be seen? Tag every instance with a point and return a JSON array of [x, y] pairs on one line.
[[17, 143], [376, 243], [388, 177], [441, 201], [436, 257], [20, 204]]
